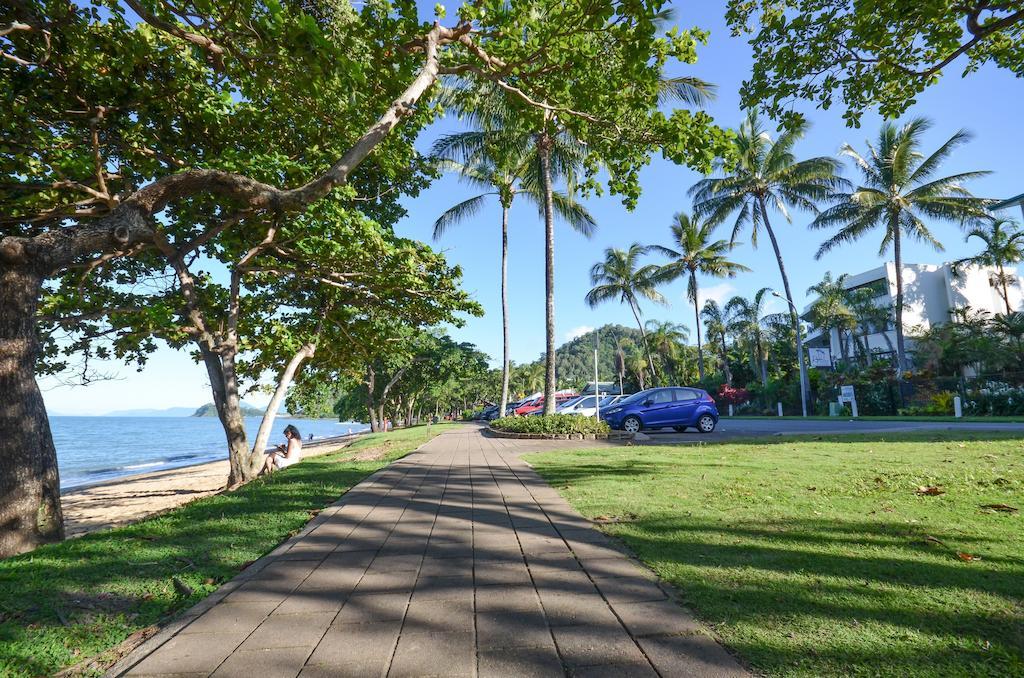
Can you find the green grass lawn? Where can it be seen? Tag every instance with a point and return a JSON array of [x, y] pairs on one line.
[[820, 557], [65, 603]]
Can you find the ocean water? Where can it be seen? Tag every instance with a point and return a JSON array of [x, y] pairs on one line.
[[94, 449]]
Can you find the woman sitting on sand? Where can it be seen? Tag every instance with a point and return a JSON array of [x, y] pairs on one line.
[[284, 456]]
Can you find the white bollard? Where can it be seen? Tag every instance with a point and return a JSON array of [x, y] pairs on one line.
[[853, 407], [780, 407], [730, 409], [958, 407]]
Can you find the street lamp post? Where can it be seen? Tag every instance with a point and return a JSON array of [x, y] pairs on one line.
[[799, 354]]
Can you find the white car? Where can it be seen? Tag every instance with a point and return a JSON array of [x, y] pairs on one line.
[[585, 406]]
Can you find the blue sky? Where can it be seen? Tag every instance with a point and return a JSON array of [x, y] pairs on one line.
[[987, 103]]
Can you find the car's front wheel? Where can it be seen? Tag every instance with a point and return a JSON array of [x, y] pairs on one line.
[[706, 423], [632, 424]]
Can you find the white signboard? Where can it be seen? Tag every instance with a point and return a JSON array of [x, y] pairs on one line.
[[846, 394], [820, 357]]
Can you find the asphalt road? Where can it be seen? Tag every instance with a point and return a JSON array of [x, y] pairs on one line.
[[744, 428]]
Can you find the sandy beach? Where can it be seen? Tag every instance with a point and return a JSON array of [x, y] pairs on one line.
[[125, 500]]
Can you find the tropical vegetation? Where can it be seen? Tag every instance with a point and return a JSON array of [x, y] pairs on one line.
[[557, 424]]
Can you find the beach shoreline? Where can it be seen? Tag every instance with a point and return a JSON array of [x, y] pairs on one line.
[[128, 499]]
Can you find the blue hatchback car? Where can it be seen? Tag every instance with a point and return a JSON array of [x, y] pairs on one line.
[[675, 406]]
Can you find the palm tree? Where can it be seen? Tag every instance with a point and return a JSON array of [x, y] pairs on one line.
[[697, 253], [749, 320], [502, 160], [1004, 245], [500, 164], [618, 276], [666, 338], [767, 174], [620, 362], [638, 366], [717, 321], [869, 315], [898, 184], [831, 309]]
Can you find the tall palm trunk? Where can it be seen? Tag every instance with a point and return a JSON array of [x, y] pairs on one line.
[[789, 295], [544, 146], [901, 359], [1006, 292], [696, 315], [725, 362], [504, 311], [30, 512], [762, 363]]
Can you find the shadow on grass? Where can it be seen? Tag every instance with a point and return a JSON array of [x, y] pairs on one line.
[[817, 596], [65, 602]]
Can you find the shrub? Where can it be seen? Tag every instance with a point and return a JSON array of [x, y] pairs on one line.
[[995, 398], [552, 423], [730, 395]]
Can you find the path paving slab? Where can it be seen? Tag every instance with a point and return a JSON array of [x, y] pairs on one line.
[[457, 560]]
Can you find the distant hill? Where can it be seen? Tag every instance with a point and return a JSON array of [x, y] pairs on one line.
[[167, 412], [574, 360], [210, 410]]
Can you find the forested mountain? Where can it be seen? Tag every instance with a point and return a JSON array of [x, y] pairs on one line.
[[574, 360]]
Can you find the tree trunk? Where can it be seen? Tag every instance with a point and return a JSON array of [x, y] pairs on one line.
[[504, 312], [283, 382], [725, 361], [789, 298], [762, 363], [371, 408], [224, 384], [696, 315], [901, 360], [30, 512], [408, 410], [1006, 292], [544, 147]]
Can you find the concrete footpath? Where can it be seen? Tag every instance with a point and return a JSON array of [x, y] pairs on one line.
[[455, 561]]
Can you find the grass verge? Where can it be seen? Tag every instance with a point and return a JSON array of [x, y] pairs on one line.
[[826, 557], [65, 603], [975, 420]]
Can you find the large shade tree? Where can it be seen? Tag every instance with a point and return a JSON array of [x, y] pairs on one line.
[[129, 111], [695, 251], [900, 186], [870, 54]]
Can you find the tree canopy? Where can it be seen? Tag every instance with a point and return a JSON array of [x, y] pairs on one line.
[[869, 53]]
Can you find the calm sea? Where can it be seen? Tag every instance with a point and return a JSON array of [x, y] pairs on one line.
[[93, 449]]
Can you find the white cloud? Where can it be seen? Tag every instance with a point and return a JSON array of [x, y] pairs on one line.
[[578, 332], [720, 293]]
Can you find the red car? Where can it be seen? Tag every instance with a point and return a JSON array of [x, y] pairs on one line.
[[537, 404]]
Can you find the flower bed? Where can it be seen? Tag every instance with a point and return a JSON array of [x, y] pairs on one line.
[[554, 424]]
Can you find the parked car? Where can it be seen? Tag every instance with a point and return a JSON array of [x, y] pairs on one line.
[[488, 413], [530, 405], [585, 406], [672, 406], [537, 405]]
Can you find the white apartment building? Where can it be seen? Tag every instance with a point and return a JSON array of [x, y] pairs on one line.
[[930, 293]]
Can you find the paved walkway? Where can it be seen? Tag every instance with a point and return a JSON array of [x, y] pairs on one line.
[[456, 561]]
